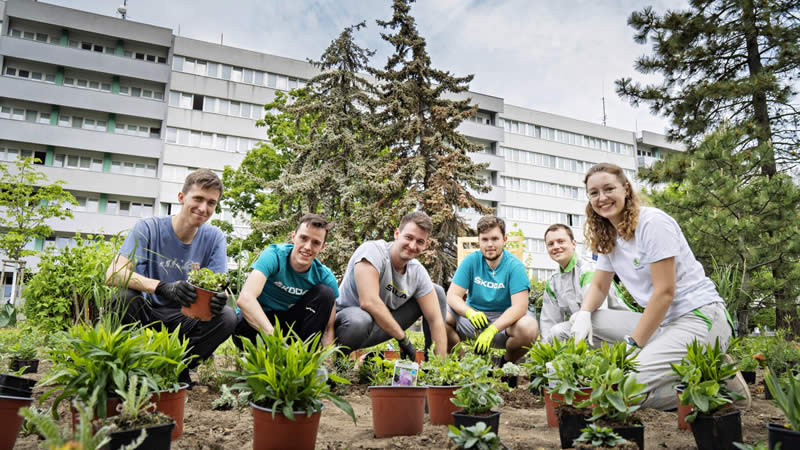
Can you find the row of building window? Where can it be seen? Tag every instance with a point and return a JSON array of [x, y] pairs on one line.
[[101, 86], [13, 154], [565, 137], [233, 73], [234, 144], [540, 216], [86, 45], [31, 115], [114, 207], [216, 105], [540, 187], [543, 160], [82, 162], [177, 174]]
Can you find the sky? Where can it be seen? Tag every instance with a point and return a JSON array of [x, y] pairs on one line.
[[559, 57]]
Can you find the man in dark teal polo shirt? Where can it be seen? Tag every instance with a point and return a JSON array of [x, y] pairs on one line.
[[290, 285]]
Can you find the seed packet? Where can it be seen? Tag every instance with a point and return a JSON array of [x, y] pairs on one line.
[[405, 373]]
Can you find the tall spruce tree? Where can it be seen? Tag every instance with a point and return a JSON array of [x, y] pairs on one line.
[[733, 62], [330, 172], [429, 167]]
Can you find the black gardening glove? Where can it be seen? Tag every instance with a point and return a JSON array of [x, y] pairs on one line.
[[218, 301], [407, 349], [180, 292]]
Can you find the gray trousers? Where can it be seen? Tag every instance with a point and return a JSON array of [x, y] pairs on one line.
[[666, 346], [355, 328]]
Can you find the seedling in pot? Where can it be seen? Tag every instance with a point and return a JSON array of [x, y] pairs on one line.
[[478, 436], [209, 280]]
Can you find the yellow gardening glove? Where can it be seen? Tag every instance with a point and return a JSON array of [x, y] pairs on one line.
[[477, 318], [484, 341]]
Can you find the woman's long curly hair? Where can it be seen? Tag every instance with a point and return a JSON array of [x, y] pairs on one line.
[[600, 234]]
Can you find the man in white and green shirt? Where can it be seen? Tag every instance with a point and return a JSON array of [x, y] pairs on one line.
[[565, 290]]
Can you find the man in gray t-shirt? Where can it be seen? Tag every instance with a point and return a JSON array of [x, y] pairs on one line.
[[385, 290]]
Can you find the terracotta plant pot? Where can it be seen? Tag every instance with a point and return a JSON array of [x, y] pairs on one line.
[[397, 410], [491, 419], [683, 411], [10, 420], [158, 437], [551, 400], [201, 308], [31, 365], [440, 408], [172, 404], [717, 432], [780, 434], [280, 433]]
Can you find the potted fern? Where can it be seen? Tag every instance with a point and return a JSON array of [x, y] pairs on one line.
[[715, 424], [137, 415], [288, 383], [206, 284], [786, 396]]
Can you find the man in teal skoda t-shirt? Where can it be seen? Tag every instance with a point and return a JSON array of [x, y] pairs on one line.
[[496, 285], [290, 285]]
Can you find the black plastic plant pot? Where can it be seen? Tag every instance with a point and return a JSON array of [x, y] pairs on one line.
[[11, 392], [717, 432], [18, 383], [31, 365], [158, 437], [569, 428], [749, 376], [492, 420], [511, 380], [633, 433], [778, 434]]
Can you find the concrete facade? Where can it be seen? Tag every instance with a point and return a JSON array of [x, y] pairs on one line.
[[177, 104]]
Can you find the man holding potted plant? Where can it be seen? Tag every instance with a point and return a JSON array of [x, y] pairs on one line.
[[385, 290], [496, 285], [564, 292], [156, 257], [290, 285]]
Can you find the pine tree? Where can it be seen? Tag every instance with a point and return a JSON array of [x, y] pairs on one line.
[[429, 167], [330, 172], [733, 62]]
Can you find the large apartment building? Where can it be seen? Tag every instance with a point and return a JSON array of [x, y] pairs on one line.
[[121, 111]]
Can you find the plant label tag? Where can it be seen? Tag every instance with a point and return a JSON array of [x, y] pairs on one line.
[[405, 373]]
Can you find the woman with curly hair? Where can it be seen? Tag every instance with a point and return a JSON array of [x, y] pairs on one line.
[[647, 250]]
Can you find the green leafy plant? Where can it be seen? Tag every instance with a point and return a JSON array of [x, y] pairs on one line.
[[452, 370], [170, 356], [70, 285], [620, 355], [84, 437], [786, 396], [286, 374], [703, 373], [229, 400], [206, 279], [379, 371], [99, 360], [8, 315], [615, 396], [26, 346], [599, 437], [476, 398], [538, 356], [781, 354], [760, 445], [574, 368], [135, 409], [479, 436]]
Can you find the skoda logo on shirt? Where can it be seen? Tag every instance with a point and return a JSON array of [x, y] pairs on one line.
[[397, 292], [291, 290], [489, 284]]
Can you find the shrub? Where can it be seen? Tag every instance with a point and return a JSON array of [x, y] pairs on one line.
[[70, 286]]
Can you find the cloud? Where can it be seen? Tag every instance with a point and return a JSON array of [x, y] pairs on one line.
[[556, 57]]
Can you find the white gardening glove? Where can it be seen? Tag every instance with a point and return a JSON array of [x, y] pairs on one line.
[[582, 326]]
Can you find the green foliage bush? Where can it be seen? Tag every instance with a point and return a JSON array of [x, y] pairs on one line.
[[70, 285]]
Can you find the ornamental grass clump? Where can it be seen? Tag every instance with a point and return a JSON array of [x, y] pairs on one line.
[[287, 374], [786, 396], [170, 359], [538, 357]]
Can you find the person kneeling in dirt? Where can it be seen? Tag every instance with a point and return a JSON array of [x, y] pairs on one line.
[[565, 290], [156, 257], [496, 284], [290, 285], [385, 290]]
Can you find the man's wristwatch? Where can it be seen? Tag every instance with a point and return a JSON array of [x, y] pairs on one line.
[[631, 341]]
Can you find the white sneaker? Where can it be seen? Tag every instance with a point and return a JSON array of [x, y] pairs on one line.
[[738, 385]]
